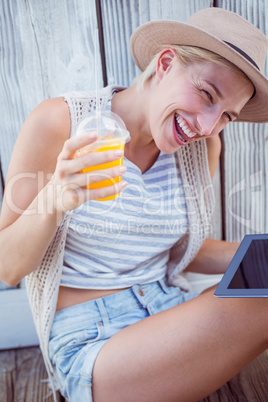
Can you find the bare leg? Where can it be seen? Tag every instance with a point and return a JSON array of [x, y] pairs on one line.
[[182, 354]]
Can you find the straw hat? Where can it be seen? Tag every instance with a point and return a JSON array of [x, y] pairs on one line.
[[220, 31]]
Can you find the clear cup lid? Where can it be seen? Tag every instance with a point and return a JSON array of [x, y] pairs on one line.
[[107, 124]]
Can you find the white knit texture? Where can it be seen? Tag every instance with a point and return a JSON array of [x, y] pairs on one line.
[[43, 283]]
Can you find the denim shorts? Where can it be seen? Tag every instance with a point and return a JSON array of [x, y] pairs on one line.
[[79, 332]]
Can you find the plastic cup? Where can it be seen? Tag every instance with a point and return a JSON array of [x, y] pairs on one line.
[[111, 134]]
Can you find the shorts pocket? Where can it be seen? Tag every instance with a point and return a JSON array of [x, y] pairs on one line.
[[164, 301], [72, 345]]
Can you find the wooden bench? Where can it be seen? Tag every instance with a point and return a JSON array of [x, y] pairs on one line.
[[22, 376]]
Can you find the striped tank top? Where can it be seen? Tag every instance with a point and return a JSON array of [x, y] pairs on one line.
[[126, 241]]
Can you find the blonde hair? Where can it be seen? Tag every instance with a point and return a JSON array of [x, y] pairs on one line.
[[187, 55]]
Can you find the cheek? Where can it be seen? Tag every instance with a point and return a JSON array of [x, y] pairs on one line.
[[193, 101], [219, 127], [189, 99]]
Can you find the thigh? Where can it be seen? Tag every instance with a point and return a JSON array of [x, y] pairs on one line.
[[183, 353]]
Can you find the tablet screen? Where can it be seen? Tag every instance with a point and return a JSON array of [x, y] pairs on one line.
[[252, 272], [247, 274]]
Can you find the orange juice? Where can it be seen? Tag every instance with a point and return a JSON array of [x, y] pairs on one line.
[[108, 181], [112, 134]]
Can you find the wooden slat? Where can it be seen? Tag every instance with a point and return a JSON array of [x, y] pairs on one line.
[[49, 49], [23, 377], [2, 185], [250, 385], [7, 375], [31, 377], [216, 224], [246, 153], [120, 18], [246, 185]]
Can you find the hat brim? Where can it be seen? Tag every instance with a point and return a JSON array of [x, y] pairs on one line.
[[147, 40]]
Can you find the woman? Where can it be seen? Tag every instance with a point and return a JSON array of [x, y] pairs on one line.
[[121, 331]]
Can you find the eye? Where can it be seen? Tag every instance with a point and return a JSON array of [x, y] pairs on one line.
[[228, 116], [208, 95]]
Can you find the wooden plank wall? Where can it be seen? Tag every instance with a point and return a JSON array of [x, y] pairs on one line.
[[245, 184], [23, 377], [47, 48]]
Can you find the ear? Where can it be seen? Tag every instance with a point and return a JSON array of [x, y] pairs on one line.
[[164, 62]]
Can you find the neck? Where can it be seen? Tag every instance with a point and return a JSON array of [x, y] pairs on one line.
[[132, 106]]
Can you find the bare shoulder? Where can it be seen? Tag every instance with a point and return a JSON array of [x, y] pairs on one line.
[[214, 150], [49, 121], [42, 136], [35, 155]]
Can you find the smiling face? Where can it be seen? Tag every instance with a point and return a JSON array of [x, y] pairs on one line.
[[191, 102]]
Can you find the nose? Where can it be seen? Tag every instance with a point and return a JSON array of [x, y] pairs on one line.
[[208, 121]]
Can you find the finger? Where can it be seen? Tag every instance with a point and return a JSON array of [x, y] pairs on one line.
[[73, 144], [87, 160], [72, 196], [104, 192], [84, 179]]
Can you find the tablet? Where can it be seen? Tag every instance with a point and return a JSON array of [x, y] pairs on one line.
[[247, 274]]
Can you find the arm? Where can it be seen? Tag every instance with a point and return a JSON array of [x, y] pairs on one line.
[[34, 205], [213, 257], [23, 242]]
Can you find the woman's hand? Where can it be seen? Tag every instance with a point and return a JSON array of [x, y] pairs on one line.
[[70, 185]]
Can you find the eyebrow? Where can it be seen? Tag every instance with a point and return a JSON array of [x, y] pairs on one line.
[[218, 92]]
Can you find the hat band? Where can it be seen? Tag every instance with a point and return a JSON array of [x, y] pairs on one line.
[[244, 54]]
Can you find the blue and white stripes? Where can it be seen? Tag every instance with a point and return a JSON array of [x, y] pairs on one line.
[[118, 243]]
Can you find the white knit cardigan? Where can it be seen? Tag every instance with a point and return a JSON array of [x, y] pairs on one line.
[[43, 283]]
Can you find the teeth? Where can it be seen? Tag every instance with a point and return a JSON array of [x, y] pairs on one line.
[[183, 140], [184, 127]]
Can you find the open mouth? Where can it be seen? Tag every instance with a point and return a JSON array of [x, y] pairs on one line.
[[183, 131]]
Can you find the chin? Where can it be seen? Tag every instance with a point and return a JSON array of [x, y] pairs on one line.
[[167, 148]]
